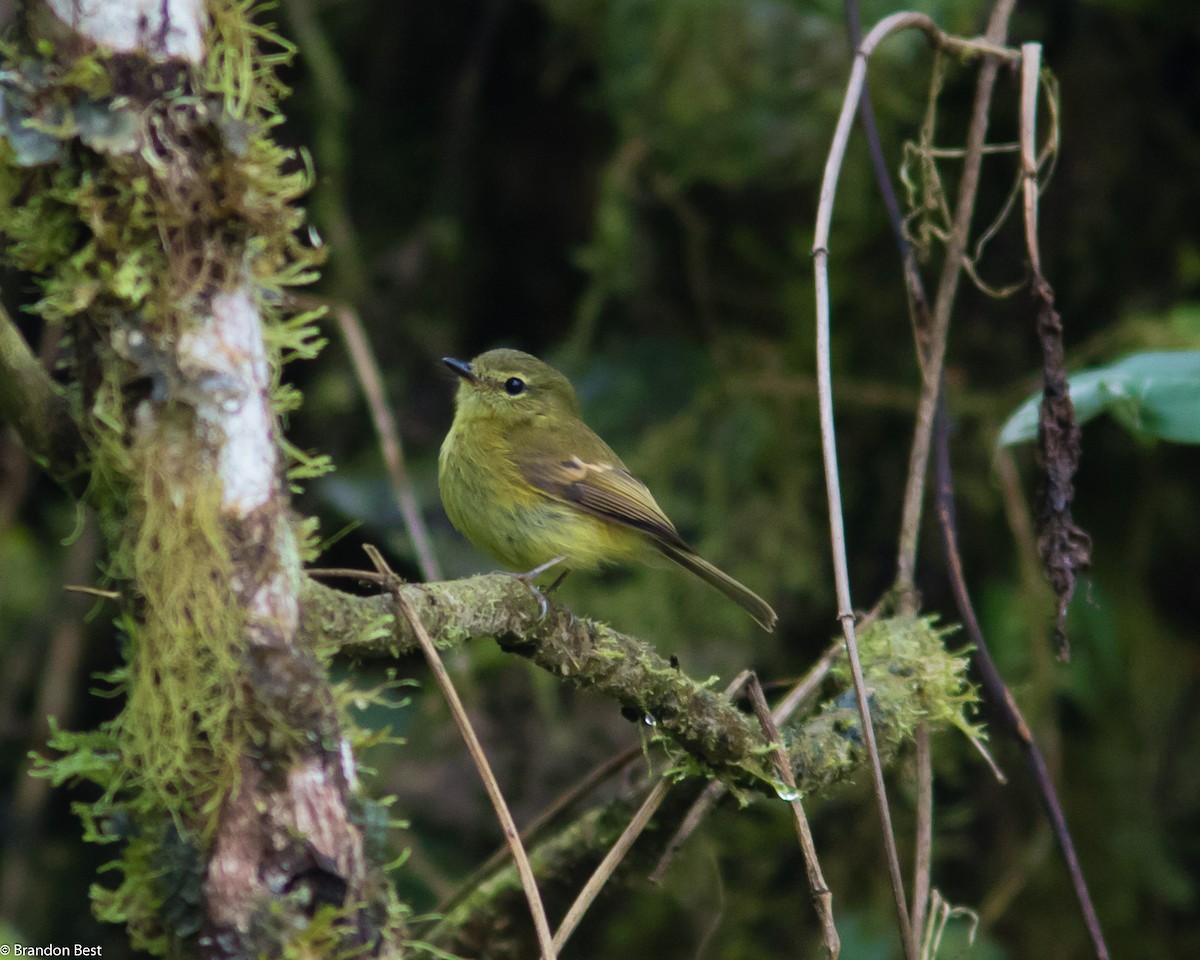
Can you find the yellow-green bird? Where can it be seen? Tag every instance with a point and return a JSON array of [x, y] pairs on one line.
[[528, 482]]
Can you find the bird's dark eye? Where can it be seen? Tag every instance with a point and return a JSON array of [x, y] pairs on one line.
[[514, 385]]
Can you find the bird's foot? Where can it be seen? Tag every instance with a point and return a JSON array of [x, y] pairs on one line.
[[529, 578]]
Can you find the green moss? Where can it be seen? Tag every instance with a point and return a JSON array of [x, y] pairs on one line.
[[907, 663], [180, 729], [133, 191], [158, 891]]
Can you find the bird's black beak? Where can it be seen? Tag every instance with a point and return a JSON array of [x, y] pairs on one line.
[[461, 367]]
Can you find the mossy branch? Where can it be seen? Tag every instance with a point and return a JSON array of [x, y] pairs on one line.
[[910, 675], [38, 408]]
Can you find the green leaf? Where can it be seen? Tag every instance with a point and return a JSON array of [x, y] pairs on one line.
[[1150, 394]]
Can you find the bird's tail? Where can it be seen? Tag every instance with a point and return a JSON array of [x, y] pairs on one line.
[[744, 597]]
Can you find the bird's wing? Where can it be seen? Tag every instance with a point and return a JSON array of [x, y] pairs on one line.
[[601, 488]]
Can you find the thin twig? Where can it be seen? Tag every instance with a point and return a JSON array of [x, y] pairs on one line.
[[567, 799], [16, 467], [475, 749], [952, 268], [687, 826], [367, 370], [91, 591], [821, 895], [39, 410], [632, 831], [797, 697], [921, 324], [871, 131], [806, 689], [833, 167], [350, 277], [347, 573], [1001, 697], [923, 842], [918, 301], [1064, 546], [16, 472], [932, 335], [1017, 875], [940, 915], [1043, 684], [58, 697], [1031, 67], [611, 861], [1044, 294]]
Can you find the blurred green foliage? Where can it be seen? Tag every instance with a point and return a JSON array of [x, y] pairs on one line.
[[627, 187]]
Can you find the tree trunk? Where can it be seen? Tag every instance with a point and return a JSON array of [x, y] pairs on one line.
[[147, 192]]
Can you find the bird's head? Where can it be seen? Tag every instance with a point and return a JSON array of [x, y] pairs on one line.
[[511, 386]]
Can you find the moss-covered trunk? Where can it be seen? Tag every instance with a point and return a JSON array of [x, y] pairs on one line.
[[139, 182]]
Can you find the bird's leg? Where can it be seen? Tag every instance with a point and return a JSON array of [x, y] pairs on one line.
[[554, 586], [529, 578], [538, 571]]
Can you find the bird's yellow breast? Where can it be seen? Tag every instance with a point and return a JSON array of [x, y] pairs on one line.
[[501, 513]]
